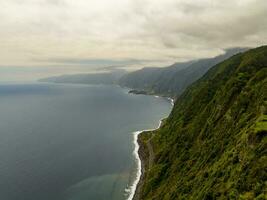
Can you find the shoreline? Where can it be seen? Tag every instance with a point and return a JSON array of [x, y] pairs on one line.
[[132, 189], [140, 159]]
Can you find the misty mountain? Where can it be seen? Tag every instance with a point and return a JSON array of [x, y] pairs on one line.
[[111, 77], [174, 79]]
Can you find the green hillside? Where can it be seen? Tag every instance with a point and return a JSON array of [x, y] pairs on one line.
[[214, 144], [173, 80]]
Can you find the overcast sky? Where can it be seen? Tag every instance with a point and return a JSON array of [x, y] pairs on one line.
[[44, 37]]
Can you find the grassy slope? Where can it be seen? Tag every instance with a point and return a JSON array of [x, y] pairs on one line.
[[213, 145]]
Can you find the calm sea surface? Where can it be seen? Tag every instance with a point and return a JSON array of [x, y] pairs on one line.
[[70, 142]]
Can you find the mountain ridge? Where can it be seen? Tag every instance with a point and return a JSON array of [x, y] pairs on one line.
[[172, 80], [213, 144]]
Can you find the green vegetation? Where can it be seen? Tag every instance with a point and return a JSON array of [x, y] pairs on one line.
[[172, 80], [214, 144]]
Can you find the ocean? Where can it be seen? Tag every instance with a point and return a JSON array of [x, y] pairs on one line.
[[71, 141]]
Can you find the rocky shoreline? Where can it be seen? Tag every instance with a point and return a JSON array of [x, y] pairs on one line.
[[145, 150], [144, 156], [139, 92]]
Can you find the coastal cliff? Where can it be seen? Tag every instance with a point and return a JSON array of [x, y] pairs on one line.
[[172, 80], [213, 145]]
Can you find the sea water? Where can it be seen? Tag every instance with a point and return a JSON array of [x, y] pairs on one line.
[[71, 142]]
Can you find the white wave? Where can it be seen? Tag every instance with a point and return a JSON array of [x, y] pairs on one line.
[[172, 101], [132, 189]]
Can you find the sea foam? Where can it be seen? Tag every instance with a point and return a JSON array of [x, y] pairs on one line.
[[132, 189]]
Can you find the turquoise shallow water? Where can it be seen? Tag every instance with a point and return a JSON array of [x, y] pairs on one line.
[[70, 142]]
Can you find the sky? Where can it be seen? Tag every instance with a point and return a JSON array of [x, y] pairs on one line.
[[40, 38]]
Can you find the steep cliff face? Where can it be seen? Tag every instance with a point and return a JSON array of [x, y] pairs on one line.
[[173, 80], [214, 144]]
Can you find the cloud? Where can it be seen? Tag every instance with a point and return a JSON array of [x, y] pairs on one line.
[[158, 32]]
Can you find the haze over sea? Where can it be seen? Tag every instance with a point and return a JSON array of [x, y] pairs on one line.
[[71, 142]]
